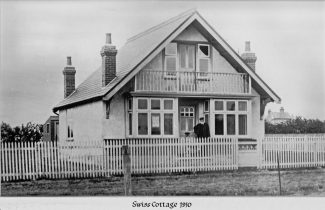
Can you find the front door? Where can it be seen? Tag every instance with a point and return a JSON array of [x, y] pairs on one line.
[[187, 119]]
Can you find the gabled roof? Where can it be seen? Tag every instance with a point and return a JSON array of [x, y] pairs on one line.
[[140, 49]]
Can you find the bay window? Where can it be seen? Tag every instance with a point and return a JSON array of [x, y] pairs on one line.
[[231, 117], [154, 117]]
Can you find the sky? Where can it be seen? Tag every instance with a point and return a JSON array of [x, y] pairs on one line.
[[36, 37]]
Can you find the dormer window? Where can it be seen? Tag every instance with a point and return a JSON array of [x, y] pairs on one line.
[[203, 59]]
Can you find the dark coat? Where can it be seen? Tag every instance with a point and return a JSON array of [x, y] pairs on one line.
[[202, 130]]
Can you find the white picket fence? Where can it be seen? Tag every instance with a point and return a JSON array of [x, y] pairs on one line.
[[174, 155], [26, 160], [293, 151]]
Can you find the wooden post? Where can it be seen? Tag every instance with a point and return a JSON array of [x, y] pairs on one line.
[[277, 155], [127, 170]]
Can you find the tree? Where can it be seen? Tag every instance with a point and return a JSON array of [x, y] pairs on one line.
[[297, 125], [30, 132]]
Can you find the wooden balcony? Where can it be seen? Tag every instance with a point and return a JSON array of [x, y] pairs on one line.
[[192, 82]]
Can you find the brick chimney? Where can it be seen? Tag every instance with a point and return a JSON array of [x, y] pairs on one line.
[[69, 73], [248, 56], [108, 54]]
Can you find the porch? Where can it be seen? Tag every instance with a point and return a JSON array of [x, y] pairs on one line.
[[192, 82]]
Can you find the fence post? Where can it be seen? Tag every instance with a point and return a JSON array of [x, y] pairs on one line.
[[278, 160], [127, 169]]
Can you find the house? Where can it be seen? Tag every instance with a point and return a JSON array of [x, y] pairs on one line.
[[51, 129], [278, 117], [161, 81]]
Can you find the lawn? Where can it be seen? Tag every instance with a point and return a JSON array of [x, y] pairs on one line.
[[301, 182]]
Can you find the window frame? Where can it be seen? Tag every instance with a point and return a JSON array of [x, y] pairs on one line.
[[162, 111], [187, 46], [69, 126], [235, 112]]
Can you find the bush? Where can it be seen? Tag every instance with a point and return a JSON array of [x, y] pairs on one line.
[[296, 126]]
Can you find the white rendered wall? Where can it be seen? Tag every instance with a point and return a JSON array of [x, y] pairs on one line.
[[86, 122], [114, 127]]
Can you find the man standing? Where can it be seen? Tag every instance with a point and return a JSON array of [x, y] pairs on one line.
[[202, 129]]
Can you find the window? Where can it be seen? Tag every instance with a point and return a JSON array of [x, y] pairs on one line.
[[130, 114], [47, 128], [218, 124], [187, 118], [187, 57], [69, 126], [155, 124], [107, 106], [203, 59], [155, 104], [143, 124], [231, 120], [168, 124], [206, 111], [142, 104], [168, 104], [231, 106], [218, 105], [171, 59], [154, 117], [130, 123], [231, 123], [242, 106], [242, 122]]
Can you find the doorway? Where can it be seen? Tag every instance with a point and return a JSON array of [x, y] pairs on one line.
[[187, 121]]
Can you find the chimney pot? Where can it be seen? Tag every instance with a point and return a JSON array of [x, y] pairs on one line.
[[247, 46], [69, 63], [108, 38]]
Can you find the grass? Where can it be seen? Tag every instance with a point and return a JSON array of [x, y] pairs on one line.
[[238, 183]]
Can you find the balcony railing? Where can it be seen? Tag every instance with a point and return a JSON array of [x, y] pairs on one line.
[[192, 82]]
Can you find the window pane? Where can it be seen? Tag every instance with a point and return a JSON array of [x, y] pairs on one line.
[[206, 106], [143, 124], [190, 124], [206, 118], [230, 106], [130, 104], [168, 104], [171, 49], [218, 119], [242, 124], [142, 104], [204, 65], [170, 63], [183, 123], [204, 51], [242, 106], [231, 124], [191, 56], [168, 124], [130, 123], [155, 124], [68, 131], [182, 56], [218, 105], [155, 104]]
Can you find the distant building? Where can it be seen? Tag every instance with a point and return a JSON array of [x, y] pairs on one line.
[[278, 117], [51, 129]]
